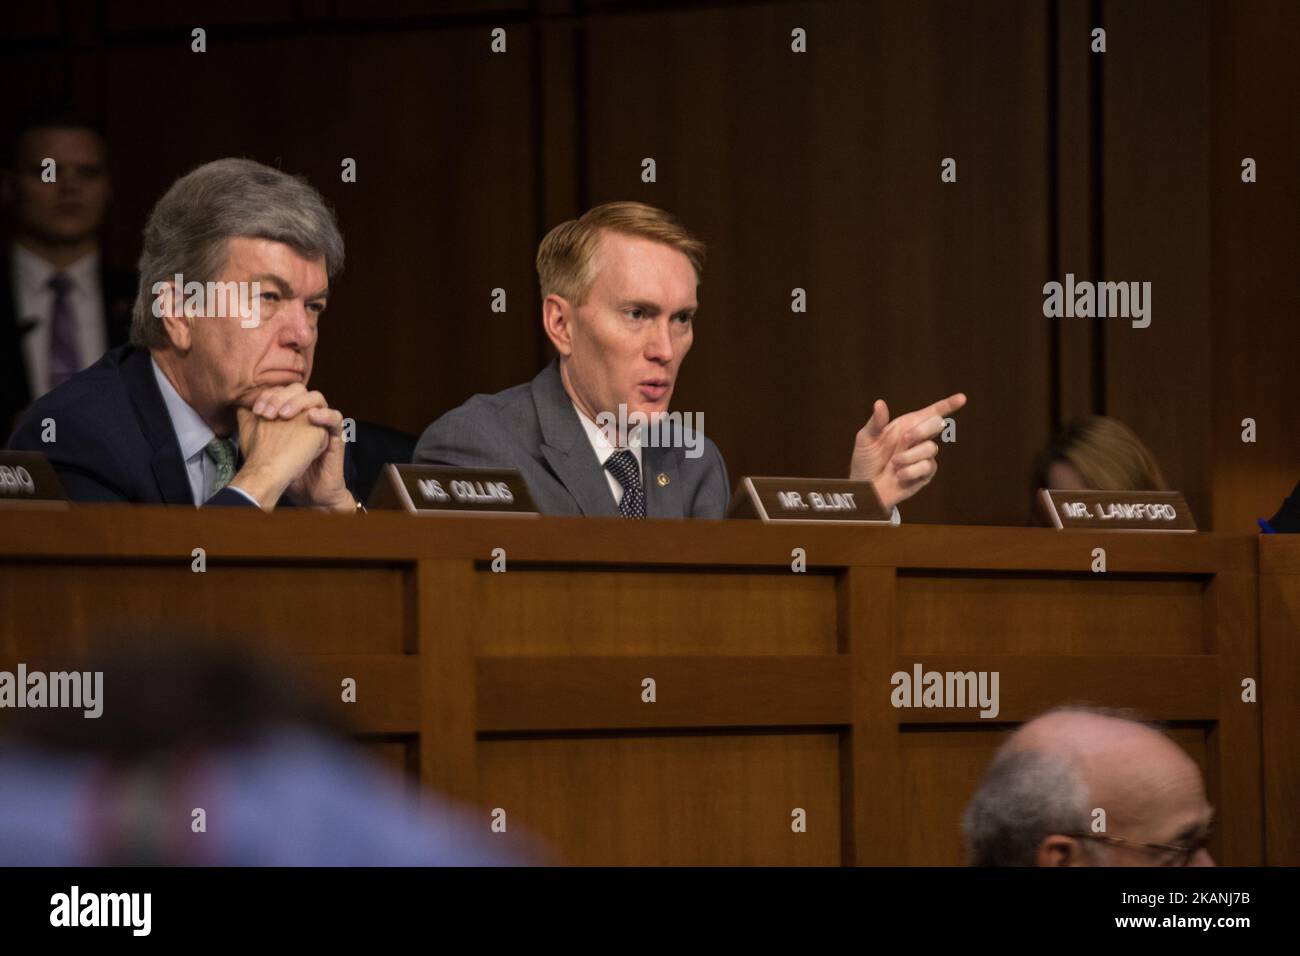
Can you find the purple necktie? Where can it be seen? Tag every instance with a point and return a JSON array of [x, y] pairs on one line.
[[65, 356]]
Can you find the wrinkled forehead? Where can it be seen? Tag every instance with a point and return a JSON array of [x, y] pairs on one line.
[[248, 256]]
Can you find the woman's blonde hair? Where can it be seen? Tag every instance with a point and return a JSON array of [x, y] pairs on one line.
[[564, 259], [1106, 453]]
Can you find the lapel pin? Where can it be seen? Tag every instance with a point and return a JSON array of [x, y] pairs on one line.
[[663, 480]]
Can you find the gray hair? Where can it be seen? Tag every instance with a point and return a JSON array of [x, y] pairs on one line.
[[188, 229], [1029, 794], [1025, 796]]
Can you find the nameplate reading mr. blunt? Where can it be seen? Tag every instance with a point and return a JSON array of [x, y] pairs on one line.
[[429, 489], [1117, 510], [27, 480], [833, 500]]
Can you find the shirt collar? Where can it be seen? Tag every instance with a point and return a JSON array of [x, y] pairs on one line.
[[601, 444], [34, 272], [192, 431], [85, 271]]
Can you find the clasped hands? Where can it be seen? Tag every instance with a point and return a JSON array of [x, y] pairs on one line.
[[292, 443]]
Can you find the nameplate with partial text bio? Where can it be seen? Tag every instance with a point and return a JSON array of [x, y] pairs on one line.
[[823, 500], [1117, 510], [28, 480], [432, 489]]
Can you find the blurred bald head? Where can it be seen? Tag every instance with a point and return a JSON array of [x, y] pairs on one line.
[[1036, 805]]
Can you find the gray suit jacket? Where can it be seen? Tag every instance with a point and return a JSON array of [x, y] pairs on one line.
[[535, 430]]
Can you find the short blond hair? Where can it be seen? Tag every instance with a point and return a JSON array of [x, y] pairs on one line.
[[564, 258], [1108, 455]]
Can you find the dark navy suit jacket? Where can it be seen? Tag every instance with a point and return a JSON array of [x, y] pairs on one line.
[[114, 438]]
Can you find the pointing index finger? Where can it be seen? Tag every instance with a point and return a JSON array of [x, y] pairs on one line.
[[946, 406]]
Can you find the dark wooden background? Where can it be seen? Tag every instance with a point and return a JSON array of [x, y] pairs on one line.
[[818, 170]]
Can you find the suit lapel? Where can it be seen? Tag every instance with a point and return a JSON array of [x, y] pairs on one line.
[[566, 448], [582, 477], [151, 410]]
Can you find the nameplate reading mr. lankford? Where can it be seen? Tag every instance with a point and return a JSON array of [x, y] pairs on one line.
[[836, 500], [27, 479], [1117, 510], [429, 489]]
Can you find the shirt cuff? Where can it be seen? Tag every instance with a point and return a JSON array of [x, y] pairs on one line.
[[238, 490]]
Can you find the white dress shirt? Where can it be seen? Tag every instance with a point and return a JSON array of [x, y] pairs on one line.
[[35, 304], [193, 434], [600, 444]]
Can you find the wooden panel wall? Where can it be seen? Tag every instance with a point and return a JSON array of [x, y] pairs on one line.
[[821, 172], [1155, 222], [524, 690], [1255, 245], [1279, 652]]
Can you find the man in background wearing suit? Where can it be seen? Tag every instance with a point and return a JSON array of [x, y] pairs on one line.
[[210, 406], [618, 292], [61, 306]]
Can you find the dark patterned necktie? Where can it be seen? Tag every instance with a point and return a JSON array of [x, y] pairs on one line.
[[65, 356], [221, 452], [627, 470]]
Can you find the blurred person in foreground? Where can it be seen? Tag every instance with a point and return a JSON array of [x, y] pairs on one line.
[[191, 728]]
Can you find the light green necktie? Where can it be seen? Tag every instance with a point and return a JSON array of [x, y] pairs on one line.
[[219, 451]]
